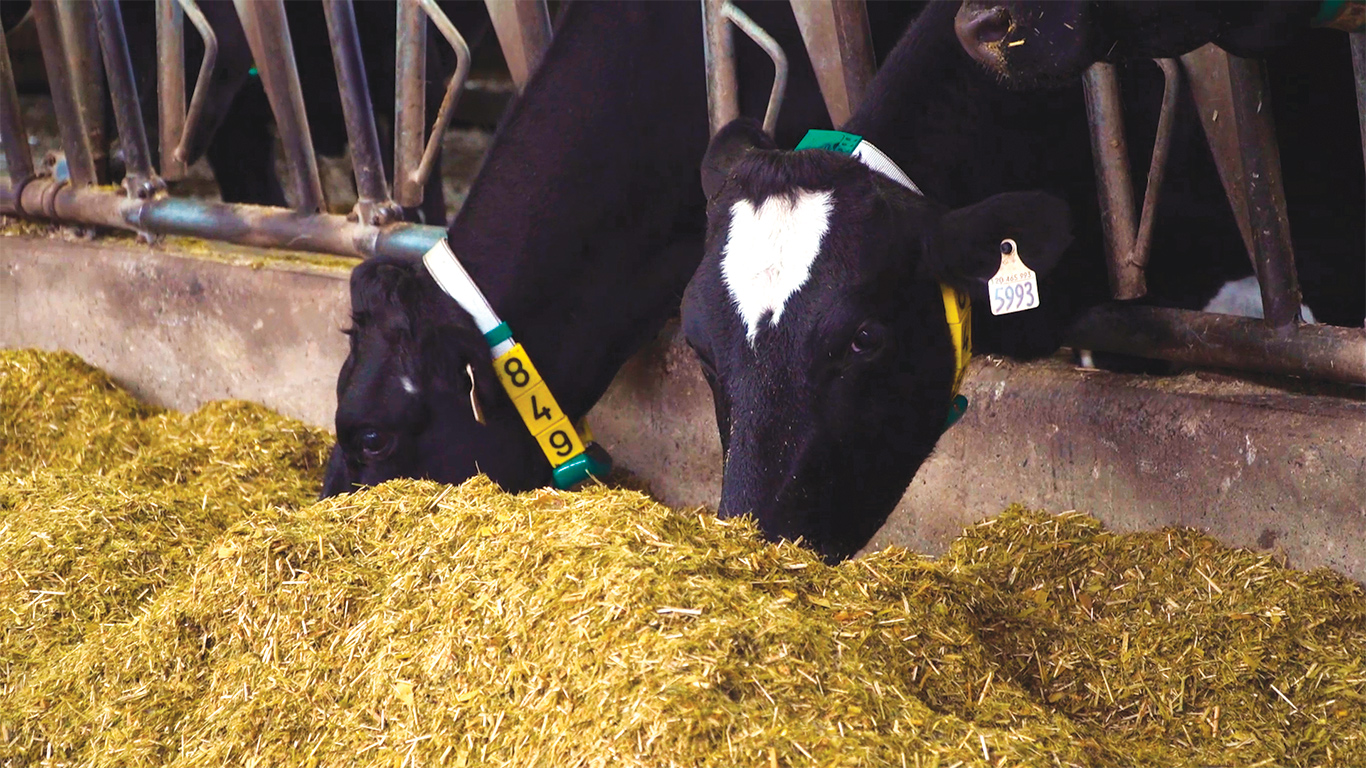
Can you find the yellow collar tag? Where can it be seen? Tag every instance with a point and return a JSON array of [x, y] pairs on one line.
[[958, 311]]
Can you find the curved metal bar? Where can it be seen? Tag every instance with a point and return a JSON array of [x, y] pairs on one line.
[[1166, 119], [201, 84], [774, 51], [462, 73]]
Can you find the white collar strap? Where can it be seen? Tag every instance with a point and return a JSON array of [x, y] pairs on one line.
[[451, 276], [861, 148]]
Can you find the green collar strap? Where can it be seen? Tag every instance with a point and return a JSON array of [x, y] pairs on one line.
[[957, 307], [571, 461], [1346, 15]]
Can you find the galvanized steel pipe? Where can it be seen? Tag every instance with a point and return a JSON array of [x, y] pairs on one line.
[[13, 137], [1110, 151], [75, 139], [256, 225], [410, 101], [267, 32], [170, 85], [190, 125], [840, 45], [140, 179], [373, 205], [81, 40], [1224, 341], [1273, 252], [523, 29], [447, 111]]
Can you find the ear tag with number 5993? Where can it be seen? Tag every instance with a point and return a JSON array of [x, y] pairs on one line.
[[1015, 287]]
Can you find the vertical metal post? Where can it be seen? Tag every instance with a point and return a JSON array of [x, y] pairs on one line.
[[1359, 70], [410, 108], [523, 29], [140, 180], [373, 205], [718, 51], [170, 85], [840, 45], [1111, 153], [13, 137], [1127, 249], [81, 39], [75, 140], [267, 33], [1273, 253]]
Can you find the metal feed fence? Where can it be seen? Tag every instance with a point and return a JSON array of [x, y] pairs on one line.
[[837, 38]]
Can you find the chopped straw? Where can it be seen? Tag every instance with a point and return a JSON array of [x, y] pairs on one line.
[[420, 624]]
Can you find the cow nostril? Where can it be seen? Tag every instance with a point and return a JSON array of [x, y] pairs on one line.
[[977, 28]]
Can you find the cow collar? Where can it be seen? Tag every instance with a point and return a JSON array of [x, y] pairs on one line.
[[554, 432], [1346, 15], [957, 306]]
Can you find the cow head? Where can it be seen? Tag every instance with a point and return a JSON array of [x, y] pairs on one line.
[[415, 387], [819, 320], [1045, 43]]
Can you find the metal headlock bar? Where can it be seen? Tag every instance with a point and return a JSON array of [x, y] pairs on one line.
[[835, 32], [718, 50]]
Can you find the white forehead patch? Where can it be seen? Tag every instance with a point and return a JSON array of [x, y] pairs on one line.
[[769, 252], [408, 385]]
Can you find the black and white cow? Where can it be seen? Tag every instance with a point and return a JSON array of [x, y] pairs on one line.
[[582, 229], [1033, 43], [1044, 43], [816, 311]]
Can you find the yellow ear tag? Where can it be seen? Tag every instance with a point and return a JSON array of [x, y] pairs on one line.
[[958, 312]]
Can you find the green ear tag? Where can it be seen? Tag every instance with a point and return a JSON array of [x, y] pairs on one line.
[[593, 462], [957, 408], [834, 141]]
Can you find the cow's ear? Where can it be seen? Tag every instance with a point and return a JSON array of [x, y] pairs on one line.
[[727, 147], [965, 248]]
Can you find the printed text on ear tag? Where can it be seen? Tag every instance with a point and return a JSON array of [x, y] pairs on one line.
[[1015, 287]]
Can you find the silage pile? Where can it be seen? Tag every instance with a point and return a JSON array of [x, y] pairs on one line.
[[417, 624]]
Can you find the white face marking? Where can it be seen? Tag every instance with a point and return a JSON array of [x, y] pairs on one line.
[[408, 385], [769, 252]]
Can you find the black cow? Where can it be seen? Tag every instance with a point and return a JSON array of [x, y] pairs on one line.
[[1050, 42], [831, 377], [1042, 43], [582, 229]]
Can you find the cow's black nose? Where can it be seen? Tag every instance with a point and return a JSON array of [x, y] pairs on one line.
[[980, 27]]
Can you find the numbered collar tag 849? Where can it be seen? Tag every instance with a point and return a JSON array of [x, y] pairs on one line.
[[1014, 287]]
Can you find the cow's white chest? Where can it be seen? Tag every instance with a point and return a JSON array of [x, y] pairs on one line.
[[769, 252]]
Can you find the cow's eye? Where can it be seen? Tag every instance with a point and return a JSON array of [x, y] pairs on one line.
[[376, 445], [869, 338]]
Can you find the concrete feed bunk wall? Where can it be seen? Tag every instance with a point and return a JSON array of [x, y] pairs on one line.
[[1254, 465]]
